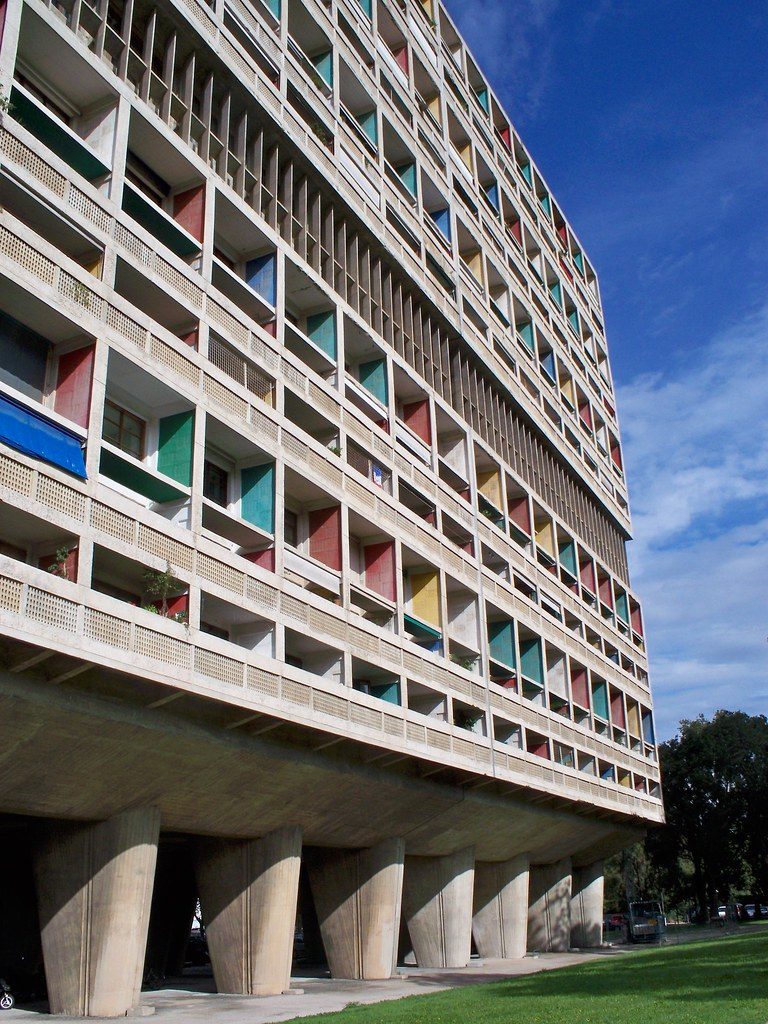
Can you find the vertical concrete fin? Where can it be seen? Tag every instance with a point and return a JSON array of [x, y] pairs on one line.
[[94, 887]]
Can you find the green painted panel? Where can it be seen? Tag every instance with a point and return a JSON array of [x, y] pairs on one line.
[[600, 700], [622, 606], [274, 6], [367, 6], [482, 95], [527, 173], [257, 503], [568, 557], [137, 479], [525, 331], [531, 660], [369, 123], [546, 204], [573, 320], [53, 135], [323, 64], [389, 692], [578, 259], [407, 174], [501, 639], [419, 628], [163, 228], [556, 292], [321, 328], [174, 447], [373, 377]]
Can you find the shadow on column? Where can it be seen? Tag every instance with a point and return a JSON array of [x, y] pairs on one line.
[[549, 911], [500, 918], [437, 906]]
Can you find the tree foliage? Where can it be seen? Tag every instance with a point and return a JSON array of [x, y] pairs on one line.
[[715, 842]]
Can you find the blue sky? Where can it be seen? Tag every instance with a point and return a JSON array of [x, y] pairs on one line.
[[649, 121]]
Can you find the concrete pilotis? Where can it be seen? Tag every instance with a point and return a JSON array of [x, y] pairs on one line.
[[358, 895], [500, 919], [549, 908], [437, 904], [94, 891], [248, 891], [587, 906]]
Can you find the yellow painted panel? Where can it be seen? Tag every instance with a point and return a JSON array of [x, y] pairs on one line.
[[425, 597], [633, 718], [434, 108], [545, 537], [489, 485], [569, 391], [625, 779], [466, 155]]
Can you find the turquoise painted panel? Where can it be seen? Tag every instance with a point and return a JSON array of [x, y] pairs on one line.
[[527, 173], [174, 448], [568, 557], [370, 125], [443, 220], [275, 7], [556, 292], [257, 496], [546, 204], [323, 64], [407, 174], [373, 377], [531, 660], [389, 692], [526, 333], [573, 320], [482, 95], [321, 328], [261, 276], [578, 259], [622, 606], [367, 6], [600, 700], [501, 639]]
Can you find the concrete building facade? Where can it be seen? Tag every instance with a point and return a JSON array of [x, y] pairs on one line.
[[313, 586]]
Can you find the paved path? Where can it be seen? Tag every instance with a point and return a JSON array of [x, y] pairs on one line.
[[194, 999]]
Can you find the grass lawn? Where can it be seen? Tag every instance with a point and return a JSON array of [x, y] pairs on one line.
[[714, 982]]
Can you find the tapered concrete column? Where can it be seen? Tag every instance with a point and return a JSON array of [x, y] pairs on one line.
[[248, 892], [94, 891], [587, 906], [437, 904], [500, 920], [549, 908], [358, 894]]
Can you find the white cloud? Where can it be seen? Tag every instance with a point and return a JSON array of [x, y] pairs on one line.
[[696, 443]]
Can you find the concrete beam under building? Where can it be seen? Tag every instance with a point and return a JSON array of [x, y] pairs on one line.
[[500, 919], [358, 896], [248, 891], [437, 905], [94, 889]]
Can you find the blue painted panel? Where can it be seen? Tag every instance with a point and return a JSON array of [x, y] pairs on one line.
[[261, 276], [442, 219], [492, 192], [547, 361], [28, 432], [649, 734]]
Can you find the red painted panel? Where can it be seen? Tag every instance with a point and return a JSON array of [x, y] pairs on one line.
[[402, 59], [580, 687], [517, 231], [66, 570], [325, 536], [73, 385], [587, 574], [416, 416], [540, 749], [506, 136], [265, 559], [617, 709], [3, 8], [191, 338], [606, 591], [616, 454], [520, 513], [189, 211], [380, 568], [585, 412], [637, 620], [565, 270], [271, 328]]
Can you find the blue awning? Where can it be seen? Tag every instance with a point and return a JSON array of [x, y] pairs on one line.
[[33, 434]]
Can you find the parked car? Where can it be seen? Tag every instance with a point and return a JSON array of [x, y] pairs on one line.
[[749, 910], [647, 921], [732, 912]]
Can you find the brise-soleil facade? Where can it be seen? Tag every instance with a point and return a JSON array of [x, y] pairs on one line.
[[312, 506]]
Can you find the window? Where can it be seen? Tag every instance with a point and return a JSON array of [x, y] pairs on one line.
[[215, 483], [124, 430]]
